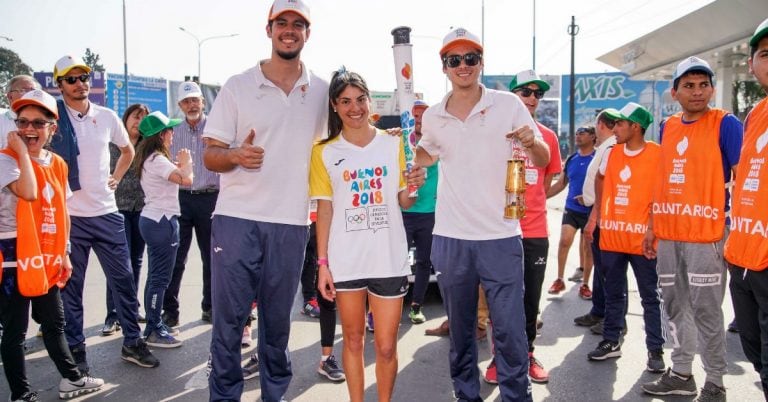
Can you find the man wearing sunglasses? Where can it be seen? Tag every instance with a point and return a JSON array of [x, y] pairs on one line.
[[530, 89], [17, 87], [85, 131], [471, 133]]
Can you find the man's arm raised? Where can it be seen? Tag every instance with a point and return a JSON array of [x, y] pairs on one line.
[[219, 157]]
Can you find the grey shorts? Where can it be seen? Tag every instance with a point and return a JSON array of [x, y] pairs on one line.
[[382, 287]]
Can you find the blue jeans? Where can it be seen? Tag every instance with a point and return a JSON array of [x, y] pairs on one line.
[[598, 277], [461, 265], [253, 261], [136, 247], [162, 243], [615, 268]]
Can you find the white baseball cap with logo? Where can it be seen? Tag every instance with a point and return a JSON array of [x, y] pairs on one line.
[[692, 63], [39, 98], [284, 6], [460, 36], [189, 89]]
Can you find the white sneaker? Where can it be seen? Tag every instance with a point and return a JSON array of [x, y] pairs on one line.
[[247, 339], [70, 389]]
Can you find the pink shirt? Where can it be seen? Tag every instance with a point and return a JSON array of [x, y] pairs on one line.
[[534, 223]]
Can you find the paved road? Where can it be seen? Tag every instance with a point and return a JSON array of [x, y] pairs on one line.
[[423, 374]]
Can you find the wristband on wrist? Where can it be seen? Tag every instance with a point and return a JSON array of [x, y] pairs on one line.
[[322, 261]]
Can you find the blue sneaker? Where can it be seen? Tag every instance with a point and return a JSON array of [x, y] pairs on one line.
[[161, 339]]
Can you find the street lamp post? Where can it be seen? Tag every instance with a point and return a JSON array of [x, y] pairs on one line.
[[200, 45]]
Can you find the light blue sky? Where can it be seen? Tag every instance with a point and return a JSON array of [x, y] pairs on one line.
[[351, 32]]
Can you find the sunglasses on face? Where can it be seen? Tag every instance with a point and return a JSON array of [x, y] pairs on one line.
[[610, 124], [37, 123], [470, 59], [72, 79], [583, 131], [526, 92]]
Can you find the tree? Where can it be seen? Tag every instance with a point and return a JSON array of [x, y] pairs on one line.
[[746, 94], [91, 59], [10, 66]]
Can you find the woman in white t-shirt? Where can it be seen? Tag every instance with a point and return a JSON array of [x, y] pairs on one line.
[[355, 176], [160, 178]]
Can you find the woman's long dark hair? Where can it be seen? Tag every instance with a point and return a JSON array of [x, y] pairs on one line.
[[129, 111], [149, 147], [339, 82]]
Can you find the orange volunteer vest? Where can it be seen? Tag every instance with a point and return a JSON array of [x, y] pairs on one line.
[[747, 245], [42, 229], [689, 202], [627, 197]]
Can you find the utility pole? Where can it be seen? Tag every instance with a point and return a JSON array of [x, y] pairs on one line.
[[573, 30], [534, 36], [125, 59]]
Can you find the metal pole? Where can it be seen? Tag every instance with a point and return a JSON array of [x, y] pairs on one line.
[[199, 46], [534, 36], [125, 58], [482, 37], [573, 30]]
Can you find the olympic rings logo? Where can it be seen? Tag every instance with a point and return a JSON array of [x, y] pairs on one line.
[[356, 218]]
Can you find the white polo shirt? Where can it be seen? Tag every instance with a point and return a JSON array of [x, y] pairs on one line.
[[95, 131], [602, 150], [286, 127], [161, 197], [473, 165]]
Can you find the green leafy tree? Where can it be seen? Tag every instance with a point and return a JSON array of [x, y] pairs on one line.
[[10, 66], [91, 59], [746, 94]]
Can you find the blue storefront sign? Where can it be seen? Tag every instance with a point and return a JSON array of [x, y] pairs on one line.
[[150, 91]]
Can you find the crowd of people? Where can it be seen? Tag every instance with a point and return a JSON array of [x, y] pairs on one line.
[[76, 178]]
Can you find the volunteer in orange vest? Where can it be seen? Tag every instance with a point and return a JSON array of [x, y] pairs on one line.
[[747, 248], [624, 192], [33, 209], [699, 150]]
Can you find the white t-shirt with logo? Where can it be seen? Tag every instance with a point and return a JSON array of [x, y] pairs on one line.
[[161, 197], [286, 127], [367, 236], [95, 130], [473, 165]]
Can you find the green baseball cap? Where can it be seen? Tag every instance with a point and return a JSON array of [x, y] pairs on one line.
[[632, 112], [156, 122], [760, 33], [526, 77]]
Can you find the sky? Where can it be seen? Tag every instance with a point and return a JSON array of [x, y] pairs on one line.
[[355, 33]]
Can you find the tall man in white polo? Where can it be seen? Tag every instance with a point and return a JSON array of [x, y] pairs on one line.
[[197, 202], [83, 137], [259, 137]]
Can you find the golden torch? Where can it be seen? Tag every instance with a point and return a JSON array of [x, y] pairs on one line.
[[515, 205]]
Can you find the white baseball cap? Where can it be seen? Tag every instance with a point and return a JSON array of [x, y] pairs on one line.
[[189, 89], [760, 33], [67, 63], [37, 97], [284, 6], [692, 63], [460, 36]]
